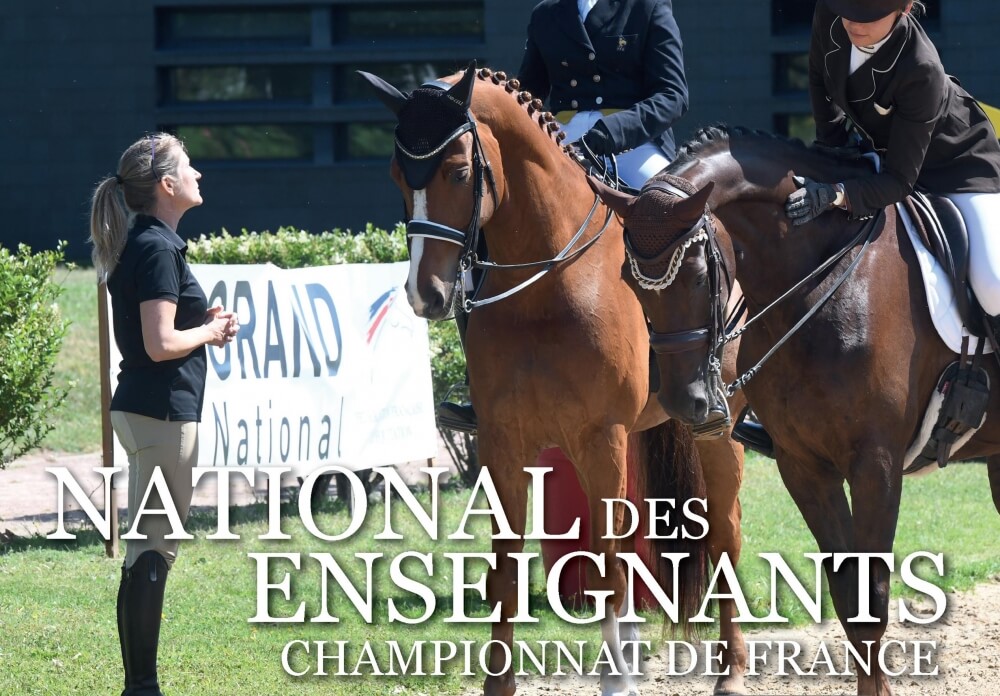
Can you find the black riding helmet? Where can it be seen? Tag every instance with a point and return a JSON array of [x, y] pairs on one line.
[[863, 11]]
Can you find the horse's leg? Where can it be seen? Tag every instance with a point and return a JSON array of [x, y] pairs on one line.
[[722, 464], [993, 466], [876, 488], [600, 458], [503, 456], [818, 491]]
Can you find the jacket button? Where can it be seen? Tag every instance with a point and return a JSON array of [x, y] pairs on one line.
[[574, 104], [565, 64], [572, 83], [599, 100], [597, 78], [591, 56]]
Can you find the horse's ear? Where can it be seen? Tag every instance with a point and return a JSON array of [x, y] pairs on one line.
[[461, 91], [618, 201], [387, 94], [688, 210]]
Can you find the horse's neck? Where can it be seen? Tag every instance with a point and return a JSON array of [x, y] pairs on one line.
[[773, 254], [547, 202]]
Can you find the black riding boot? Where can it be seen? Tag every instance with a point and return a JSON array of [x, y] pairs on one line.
[[458, 416], [751, 434], [121, 620], [140, 602]]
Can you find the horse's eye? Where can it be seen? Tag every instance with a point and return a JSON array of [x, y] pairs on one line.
[[461, 175]]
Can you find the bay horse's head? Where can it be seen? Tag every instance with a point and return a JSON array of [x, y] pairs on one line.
[[671, 247], [441, 160]]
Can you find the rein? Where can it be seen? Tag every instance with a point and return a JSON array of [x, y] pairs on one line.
[[468, 238], [710, 335], [866, 234], [468, 304]]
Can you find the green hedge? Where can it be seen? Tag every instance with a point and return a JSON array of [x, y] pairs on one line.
[[31, 334]]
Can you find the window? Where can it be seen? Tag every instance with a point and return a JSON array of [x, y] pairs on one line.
[[289, 84], [801, 126], [246, 141], [426, 23], [791, 73], [360, 141], [276, 82], [233, 28], [350, 88]]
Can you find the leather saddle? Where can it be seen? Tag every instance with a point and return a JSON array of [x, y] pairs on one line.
[[942, 230]]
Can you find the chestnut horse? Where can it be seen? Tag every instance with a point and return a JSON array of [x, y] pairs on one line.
[[557, 344], [844, 396]]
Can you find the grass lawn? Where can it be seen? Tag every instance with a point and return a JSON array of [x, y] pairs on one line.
[[57, 625], [78, 422]]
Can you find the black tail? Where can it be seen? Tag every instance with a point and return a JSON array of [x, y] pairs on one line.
[[670, 467]]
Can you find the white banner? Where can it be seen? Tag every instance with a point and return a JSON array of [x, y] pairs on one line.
[[330, 366]]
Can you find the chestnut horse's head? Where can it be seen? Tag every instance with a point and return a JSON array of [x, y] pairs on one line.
[[441, 165], [677, 271]]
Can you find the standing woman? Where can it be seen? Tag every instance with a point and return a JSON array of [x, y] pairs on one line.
[[162, 324], [873, 72]]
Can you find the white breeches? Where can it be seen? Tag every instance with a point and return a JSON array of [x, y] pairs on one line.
[[981, 212], [634, 166]]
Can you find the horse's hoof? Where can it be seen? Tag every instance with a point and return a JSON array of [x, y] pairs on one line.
[[731, 685]]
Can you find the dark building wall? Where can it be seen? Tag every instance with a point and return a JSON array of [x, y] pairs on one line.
[[79, 83], [75, 80], [727, 58]]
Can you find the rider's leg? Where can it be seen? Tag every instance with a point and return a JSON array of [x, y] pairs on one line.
[[981, 212]]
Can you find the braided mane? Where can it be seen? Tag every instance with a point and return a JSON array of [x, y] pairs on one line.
[[719, 135], [545, 120]]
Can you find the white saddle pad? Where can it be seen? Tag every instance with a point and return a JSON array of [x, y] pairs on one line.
[[940, 297]]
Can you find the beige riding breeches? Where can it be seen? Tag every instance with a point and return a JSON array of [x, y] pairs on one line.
[[171, 446]]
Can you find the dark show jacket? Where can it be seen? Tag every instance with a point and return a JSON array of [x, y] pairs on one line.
[[628, 56], [930, 132], [152, 266]]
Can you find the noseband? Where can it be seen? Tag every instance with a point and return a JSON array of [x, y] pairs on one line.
[[712, 336]]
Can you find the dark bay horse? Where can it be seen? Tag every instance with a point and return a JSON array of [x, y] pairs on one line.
[[557, 344], [845, 396]]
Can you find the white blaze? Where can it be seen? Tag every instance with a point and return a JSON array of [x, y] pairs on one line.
[[416, 252]]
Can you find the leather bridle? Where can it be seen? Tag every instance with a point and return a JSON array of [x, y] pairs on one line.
[[718, 332], [709, 337], [468, 239]]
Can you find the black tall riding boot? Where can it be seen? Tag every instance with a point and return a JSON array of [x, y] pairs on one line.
[[121, 620], [141, 607], [751, 434], [458, 416]]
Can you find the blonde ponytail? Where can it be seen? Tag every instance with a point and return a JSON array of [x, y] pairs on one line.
[[108, 227], [140, 169]]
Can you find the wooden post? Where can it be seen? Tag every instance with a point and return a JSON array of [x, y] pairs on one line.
[[107, 436]]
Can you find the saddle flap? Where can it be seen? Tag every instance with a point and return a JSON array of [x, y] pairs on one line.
[[944, 234]]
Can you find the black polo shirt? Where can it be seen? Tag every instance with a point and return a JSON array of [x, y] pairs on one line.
[[152, 267]]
